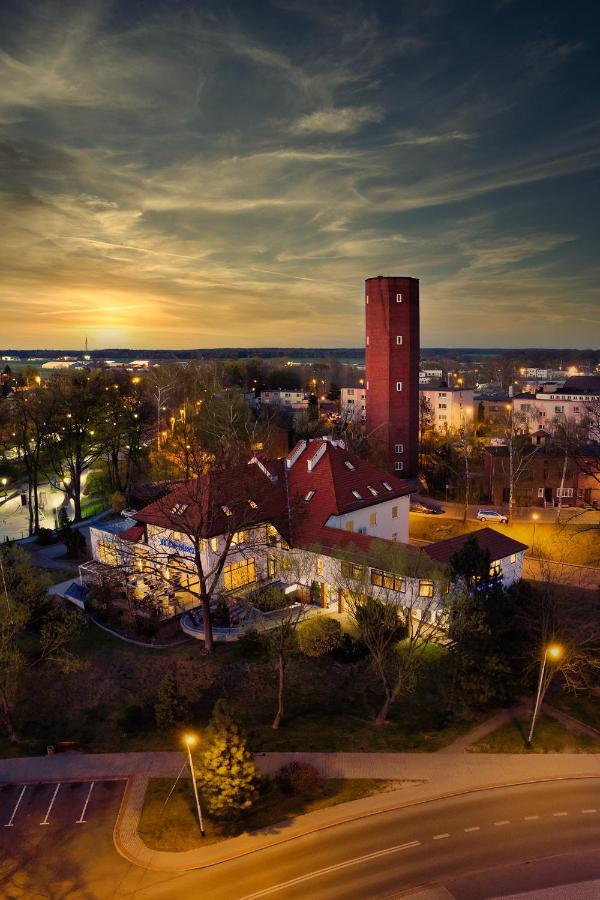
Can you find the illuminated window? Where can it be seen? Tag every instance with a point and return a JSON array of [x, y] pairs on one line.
[[320, 567], [271, 566], [357, 495], [253, 504], [398, 385], [349, 465], [349, 526], [399, 340], [513, 558], [398, 298], [179, 509], [351, 570], [496, 568], [309, 496], [214, 543], [226, 510], [388, 580], [394, 512], [237, 574], [387, 485], [240, 537], [425, 588], [373, 519], [372, 490], [108, 553]]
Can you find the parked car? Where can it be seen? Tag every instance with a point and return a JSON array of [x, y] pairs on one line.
[[128, 513], [491, 515]]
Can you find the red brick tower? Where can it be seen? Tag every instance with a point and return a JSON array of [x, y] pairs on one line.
[[392, 369]]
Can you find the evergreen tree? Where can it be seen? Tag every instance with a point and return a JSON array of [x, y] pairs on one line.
[[226, 771], [171, 708]]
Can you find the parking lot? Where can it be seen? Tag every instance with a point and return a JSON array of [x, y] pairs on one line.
[[58, 834]]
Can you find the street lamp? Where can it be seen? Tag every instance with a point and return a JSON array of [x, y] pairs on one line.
[[190, 740], [554, 653], [4, 483], [534, 518]]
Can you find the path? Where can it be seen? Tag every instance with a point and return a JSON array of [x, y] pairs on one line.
[[502, 717]]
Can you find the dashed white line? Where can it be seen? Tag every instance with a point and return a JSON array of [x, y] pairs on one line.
[[45, 821], [502, 822], [472, 828], [81, 820], [587, 812], [530, 818], [14, 812], [560, 814], [439, 837]]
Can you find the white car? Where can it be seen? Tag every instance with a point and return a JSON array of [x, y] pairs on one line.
[[128, 513], [491, 515]]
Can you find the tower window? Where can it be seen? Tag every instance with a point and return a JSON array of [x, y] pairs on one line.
[[398, 385], [398, 340], [367, 340], [398, 298], [398, 466], [398, 448]]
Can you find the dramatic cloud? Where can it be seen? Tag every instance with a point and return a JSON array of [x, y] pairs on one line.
[[180, 175]]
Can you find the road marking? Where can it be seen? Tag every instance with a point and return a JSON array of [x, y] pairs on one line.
[[473, 828], [502, 822], [438, 837], [81, 820], [14, 812], [530, 818], [276, 888], [588, 811], [45, 821], [560, 814]]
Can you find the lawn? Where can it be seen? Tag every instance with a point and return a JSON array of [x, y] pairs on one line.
[[172, 824], [108, 704], [585, 707], [578, 544], [549, 737]]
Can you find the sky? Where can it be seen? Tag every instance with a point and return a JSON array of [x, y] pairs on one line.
[[199, 174]]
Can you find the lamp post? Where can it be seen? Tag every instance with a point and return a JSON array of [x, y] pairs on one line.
[[554, 651], [190, 741], [4, 482], [534, 518]]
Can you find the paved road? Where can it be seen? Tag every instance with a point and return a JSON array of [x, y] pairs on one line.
[[380, 856]]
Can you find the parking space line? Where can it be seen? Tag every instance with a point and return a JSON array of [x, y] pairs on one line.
[[81, 820], [23, 789], [45, 821]]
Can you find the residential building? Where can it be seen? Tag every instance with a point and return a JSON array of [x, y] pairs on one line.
[[445, 408], [304, 521], [574, 400], [392, 369], [289, 399], [427, 376], [353, 404]]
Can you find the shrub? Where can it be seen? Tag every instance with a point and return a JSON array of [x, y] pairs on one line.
[[299, 778], [171, 708], [118, 502], [350, 650], [270, 599], [134, 719], [45, 536], [319, 635], [221, 615]]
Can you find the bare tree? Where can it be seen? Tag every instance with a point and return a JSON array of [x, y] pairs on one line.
[[32, 415], [393, 595]]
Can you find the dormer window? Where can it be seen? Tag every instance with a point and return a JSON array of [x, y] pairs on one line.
[[308, 497], [349, 465], [179, 509], [226, 510], [387, 485], [372, 489], [357, 495], [253, 504]]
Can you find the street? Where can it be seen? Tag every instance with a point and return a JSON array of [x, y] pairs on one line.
[[443, 842]]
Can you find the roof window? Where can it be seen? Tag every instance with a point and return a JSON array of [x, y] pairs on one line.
[[349, 465], [373, 491], [179, 509], [308, 497], [357, 495], [253, 504], [226, 510], [387, 486]]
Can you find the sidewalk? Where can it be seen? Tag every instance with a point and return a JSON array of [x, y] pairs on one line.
[[426, 776]]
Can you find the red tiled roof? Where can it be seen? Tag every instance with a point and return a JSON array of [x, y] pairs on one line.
[[498, 545], [134, 534]]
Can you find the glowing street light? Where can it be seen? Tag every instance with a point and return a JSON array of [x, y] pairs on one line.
[[4, 482], [190, 740], [553, 652], [534, 518]]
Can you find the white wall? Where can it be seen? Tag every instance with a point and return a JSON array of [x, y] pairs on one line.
[[386, 526]]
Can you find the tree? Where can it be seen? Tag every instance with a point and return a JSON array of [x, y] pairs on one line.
[[393, 595], [319, 635], [25, 607], [32, 416], [171, 707], [519, 452], [226, 772]]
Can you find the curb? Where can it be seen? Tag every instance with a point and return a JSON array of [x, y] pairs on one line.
[[273, 841]]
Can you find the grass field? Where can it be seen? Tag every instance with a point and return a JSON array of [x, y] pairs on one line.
[[170, 823], [549, 737]]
